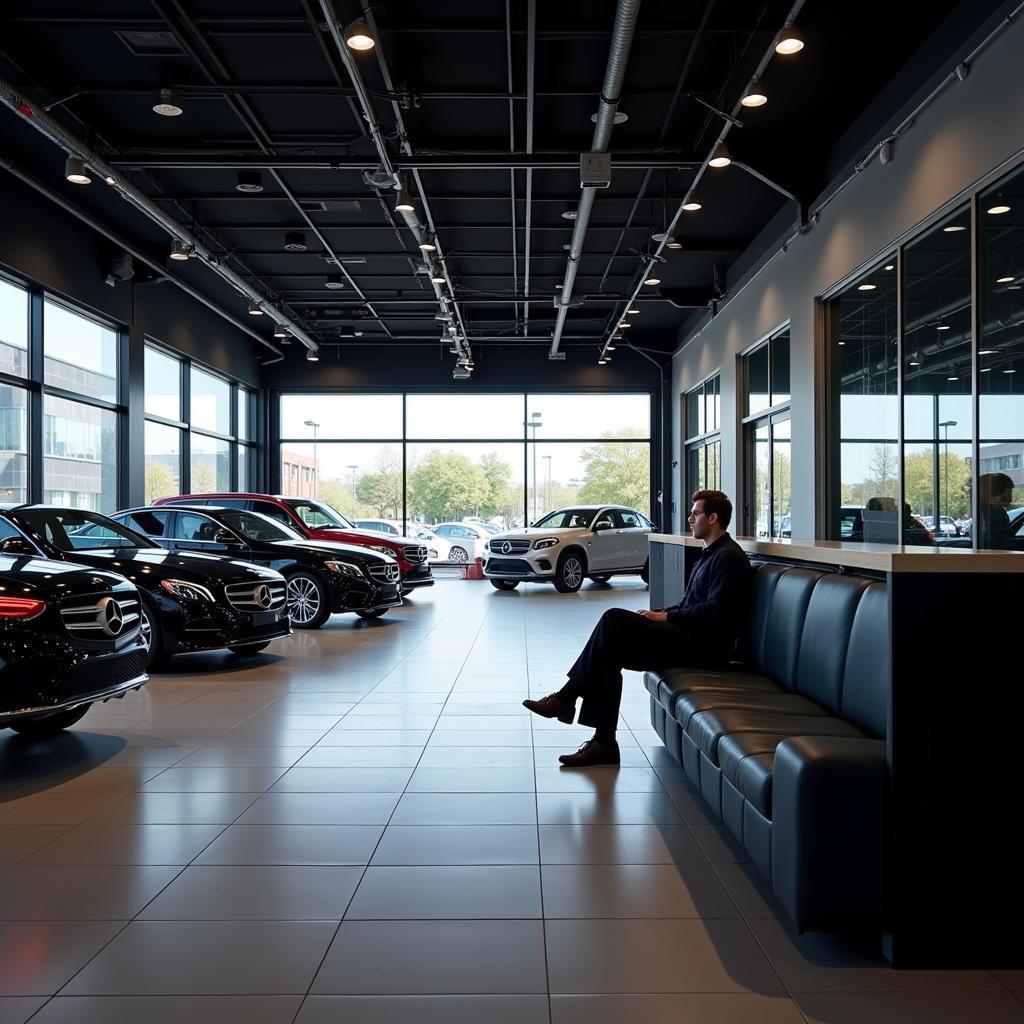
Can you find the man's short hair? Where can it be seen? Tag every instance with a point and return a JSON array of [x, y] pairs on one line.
[[717, 502]]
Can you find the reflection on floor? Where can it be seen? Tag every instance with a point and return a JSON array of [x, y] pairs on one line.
[[363, 825]]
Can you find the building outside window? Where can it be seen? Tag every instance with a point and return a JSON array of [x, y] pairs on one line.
[[13, 397], [768, 490], [702, 459]]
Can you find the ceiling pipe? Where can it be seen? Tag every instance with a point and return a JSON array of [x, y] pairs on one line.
[[137, 254], [730, 122], [71, 144], [388, 166], [611, 93]]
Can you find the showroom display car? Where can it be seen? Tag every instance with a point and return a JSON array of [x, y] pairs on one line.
[[570, 545], [322, 577], [69, 636], [316, 520], [190, 602]]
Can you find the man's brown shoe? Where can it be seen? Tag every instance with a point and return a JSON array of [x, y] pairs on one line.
[[552, 706], [592, 752]]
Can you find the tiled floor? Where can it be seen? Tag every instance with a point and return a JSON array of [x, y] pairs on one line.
[[363, 825]]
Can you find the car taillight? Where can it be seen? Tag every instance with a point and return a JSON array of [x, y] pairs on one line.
[[20, 607]]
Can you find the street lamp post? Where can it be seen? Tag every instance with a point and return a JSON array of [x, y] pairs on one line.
[[533, 423], [316, 464], [353, 470], [547, 486], [945, 424]]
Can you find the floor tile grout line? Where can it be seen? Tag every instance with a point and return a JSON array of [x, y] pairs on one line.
[[394, 810]]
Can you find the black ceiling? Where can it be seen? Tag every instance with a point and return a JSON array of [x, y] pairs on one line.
[[261, 83]]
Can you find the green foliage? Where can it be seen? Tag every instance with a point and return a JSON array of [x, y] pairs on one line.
[[160, 482], [919, 476], [617, 472], [446, 485], [381, 489]]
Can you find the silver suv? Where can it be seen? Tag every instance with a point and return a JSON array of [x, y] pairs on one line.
[[570, 545]]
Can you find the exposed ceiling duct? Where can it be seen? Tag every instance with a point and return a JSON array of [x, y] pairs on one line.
[[75, 147], [611, 92]]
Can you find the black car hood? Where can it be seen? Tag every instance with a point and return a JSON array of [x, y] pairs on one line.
[[22, 576], [146, 567], [327, 548]]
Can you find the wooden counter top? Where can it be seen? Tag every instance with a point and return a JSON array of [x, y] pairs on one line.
[[879, 557]]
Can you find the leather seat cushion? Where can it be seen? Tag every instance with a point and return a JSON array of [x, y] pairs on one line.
[[706, 728], [677, 681], [753, 780], [689, 704]]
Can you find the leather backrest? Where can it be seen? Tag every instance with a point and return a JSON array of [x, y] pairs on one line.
[[866, 680], [821, 662], [785, 624], [762, 589]]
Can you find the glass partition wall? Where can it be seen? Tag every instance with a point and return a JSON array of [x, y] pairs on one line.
[[501, 459], [927, 437]]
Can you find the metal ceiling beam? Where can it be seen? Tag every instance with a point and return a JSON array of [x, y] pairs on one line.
[[386, 227], [419, 162], [512, 147], [626, 16], [360, 197], [531, 64]]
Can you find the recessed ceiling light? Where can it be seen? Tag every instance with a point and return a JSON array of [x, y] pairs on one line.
[[692, 204], [632, 311], [790, 40], [889, 266], [249, 181], [652, 281], [988, 352], [950, 228], [295, 241], [620, 117], [609, 347], [602, 361], [755, 96], [109, 179], [569, 215], [168, 105], [334, 282], [625, 323], [357, 36], [866, 287], [943, 327], [1005, 280], [986, 369], [1009, 371], [75, 171], [842, 343], [1001, 208], [720, 157]]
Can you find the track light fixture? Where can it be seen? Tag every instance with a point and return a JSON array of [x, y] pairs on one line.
[[673, 243], [720, 157], [249, 181], [427, 243], [632, 311], [436, 276], [179, 250], [358, 37], [312, 356], [790, 40], [295, 241], [255, 309], [692, 204], [754, 96], [280, 331], [334, 282], [168, 105], [75, 171], [652, 281]]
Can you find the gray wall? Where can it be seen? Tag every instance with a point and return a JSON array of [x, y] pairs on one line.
[[974, 128]]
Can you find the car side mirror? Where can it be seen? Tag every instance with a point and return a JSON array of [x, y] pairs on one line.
[[16, 546], [226, 537], [603, 525]]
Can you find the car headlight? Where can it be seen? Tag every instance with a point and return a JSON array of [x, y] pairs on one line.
[[344, 568], [545, 542], [185, 591], [432, 552], [383, 550]]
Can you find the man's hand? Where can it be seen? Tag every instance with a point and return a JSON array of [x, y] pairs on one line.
[[653, 616]]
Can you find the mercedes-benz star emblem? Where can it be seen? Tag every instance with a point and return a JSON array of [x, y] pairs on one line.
[[506, 548], [112, 620], [264, 598]]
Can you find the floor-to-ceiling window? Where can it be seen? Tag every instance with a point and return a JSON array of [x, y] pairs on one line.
[[13, 393], [501, 458], [702, 440]]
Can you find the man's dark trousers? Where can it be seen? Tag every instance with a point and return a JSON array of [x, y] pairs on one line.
[[623, 639]]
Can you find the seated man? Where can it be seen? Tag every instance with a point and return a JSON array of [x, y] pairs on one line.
[[699, 631]]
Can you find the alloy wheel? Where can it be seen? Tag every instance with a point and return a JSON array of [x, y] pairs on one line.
[[303, 600], [572, 572]]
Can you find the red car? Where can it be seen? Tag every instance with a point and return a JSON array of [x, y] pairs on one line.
[[316, 521]]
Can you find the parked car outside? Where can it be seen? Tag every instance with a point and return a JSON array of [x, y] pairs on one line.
[[322, 577], [438, 549], [70, 636], [468, 540], [377, 526], [572, 544], [316, 520], [190, 602]]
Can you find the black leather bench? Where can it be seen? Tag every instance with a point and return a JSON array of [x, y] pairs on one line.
[[788, 746]]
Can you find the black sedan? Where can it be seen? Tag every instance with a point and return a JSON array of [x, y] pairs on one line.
[[323, 576], [69, 636], [190, 602]]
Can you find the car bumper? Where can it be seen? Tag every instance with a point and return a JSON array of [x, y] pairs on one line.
[[58, 678], [205, 627], [359, 595], [417, 576], [508, 567]]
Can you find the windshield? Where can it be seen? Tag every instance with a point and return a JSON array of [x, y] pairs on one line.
[[69, 529], [317, 515], [568, 519], [253, 526]]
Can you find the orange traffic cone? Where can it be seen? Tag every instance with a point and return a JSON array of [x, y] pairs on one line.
[[474, 570]]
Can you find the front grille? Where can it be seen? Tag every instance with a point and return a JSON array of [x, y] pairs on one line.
[[515, 547], [511, 566], [268, 596], [106, 618], [385, 573], [103, 673], [415, 553]]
